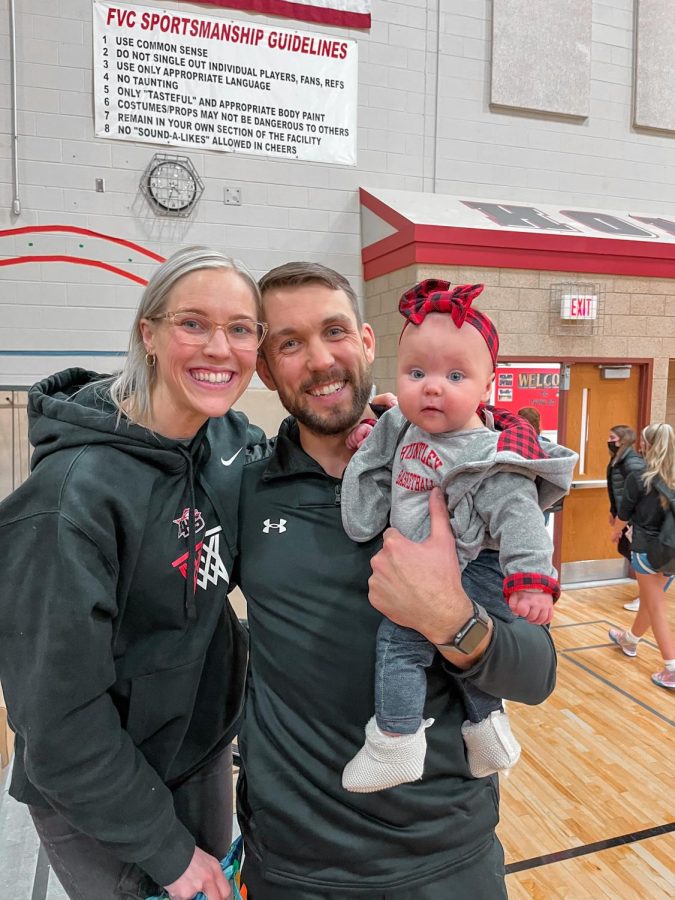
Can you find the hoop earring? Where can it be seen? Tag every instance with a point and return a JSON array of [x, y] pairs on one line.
[[150, 360]]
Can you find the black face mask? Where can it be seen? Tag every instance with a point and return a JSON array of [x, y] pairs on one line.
[[612, 447]]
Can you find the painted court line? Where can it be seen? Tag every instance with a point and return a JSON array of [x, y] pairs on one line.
[[620, 690], [595, 847], [605, 623]]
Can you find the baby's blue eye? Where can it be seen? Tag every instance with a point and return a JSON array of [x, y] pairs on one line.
[[456, 376], [416, 374]]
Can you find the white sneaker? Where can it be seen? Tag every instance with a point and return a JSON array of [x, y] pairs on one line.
[[633, 606], [620, 639], [490, 744]]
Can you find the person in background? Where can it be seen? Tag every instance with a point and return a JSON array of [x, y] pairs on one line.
[[642, 504], [311, 671], [531, 415], [623, 461], [122, 664]]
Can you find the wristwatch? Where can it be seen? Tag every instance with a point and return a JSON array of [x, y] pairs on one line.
[[471, 633]]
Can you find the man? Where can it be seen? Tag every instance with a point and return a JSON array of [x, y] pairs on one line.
[[313, 639]]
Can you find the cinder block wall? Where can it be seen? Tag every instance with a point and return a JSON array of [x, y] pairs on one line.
[[639, 320], [416, 131]]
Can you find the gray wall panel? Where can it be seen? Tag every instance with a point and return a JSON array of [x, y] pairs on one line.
[[541, 55], [654, 95]]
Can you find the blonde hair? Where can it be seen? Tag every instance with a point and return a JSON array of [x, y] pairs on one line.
[[131, 388], [659, 445]]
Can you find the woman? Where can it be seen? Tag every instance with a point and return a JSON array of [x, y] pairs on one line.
[[121, 663], [623, 461], [643, 504]]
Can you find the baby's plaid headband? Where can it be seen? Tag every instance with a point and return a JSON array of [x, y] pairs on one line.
[[434, 295]]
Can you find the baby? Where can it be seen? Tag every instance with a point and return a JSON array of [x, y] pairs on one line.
[[496, 483]]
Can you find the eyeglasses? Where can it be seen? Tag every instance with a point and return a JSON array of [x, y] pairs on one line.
[[244, 334]]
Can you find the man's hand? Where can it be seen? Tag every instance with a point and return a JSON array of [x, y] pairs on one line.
[[203, 874], [419, 585], [535, 606]]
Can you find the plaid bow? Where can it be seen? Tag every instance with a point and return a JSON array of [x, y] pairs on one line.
[[434, 295]]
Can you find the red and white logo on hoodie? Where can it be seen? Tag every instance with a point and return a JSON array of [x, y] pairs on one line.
[[183, 522], [209, 567]]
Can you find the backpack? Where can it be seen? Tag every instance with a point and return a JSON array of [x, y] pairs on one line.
[[661, 549]]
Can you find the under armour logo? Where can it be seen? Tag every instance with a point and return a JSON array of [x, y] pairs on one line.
[[280, 526]]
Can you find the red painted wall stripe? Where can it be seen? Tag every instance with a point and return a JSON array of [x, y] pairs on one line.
[[76, 260], [85, 232]]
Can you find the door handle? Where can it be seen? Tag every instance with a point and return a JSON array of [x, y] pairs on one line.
[[583, 436], [587, 485]]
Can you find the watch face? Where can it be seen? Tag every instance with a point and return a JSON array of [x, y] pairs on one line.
[[473, 636], [472, 632], [172, 186]]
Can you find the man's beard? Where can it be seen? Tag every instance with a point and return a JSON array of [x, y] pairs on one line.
[[333, 421]]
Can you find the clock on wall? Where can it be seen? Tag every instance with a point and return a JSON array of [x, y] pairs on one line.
[[171, 185]]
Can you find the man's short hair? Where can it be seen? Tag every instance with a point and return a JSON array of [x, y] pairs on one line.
[[294, 274]]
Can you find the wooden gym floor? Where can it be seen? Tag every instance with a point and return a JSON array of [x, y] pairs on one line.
[[589, 811]]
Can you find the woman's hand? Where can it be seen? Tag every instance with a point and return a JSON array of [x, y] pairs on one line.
[[203, 874], [387, 400], [617, 530]]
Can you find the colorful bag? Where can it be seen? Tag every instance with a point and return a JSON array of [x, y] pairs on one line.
[[231, 866]]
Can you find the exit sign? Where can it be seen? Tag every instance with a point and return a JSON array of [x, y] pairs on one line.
[[579, 306]]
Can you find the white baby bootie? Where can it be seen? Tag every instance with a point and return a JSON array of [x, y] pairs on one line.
[[385, 760], [491, 746]]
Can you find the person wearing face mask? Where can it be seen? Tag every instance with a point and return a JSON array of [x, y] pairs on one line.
[[623, 461]]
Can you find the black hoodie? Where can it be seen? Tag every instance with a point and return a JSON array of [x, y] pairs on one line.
[[310, 691], [118, 678]]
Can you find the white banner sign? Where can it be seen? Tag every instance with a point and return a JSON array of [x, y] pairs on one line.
[[188, 80]]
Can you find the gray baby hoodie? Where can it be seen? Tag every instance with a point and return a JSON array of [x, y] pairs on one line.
[[496, 484]]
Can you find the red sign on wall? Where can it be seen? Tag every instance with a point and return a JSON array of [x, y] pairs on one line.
[[517, 386]]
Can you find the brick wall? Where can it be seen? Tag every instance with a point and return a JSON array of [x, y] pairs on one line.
[[639, 320]]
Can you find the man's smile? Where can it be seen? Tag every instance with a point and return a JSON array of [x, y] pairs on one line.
[[324, 390]]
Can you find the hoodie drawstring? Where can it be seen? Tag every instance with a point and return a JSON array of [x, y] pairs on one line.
[[191, 582]]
